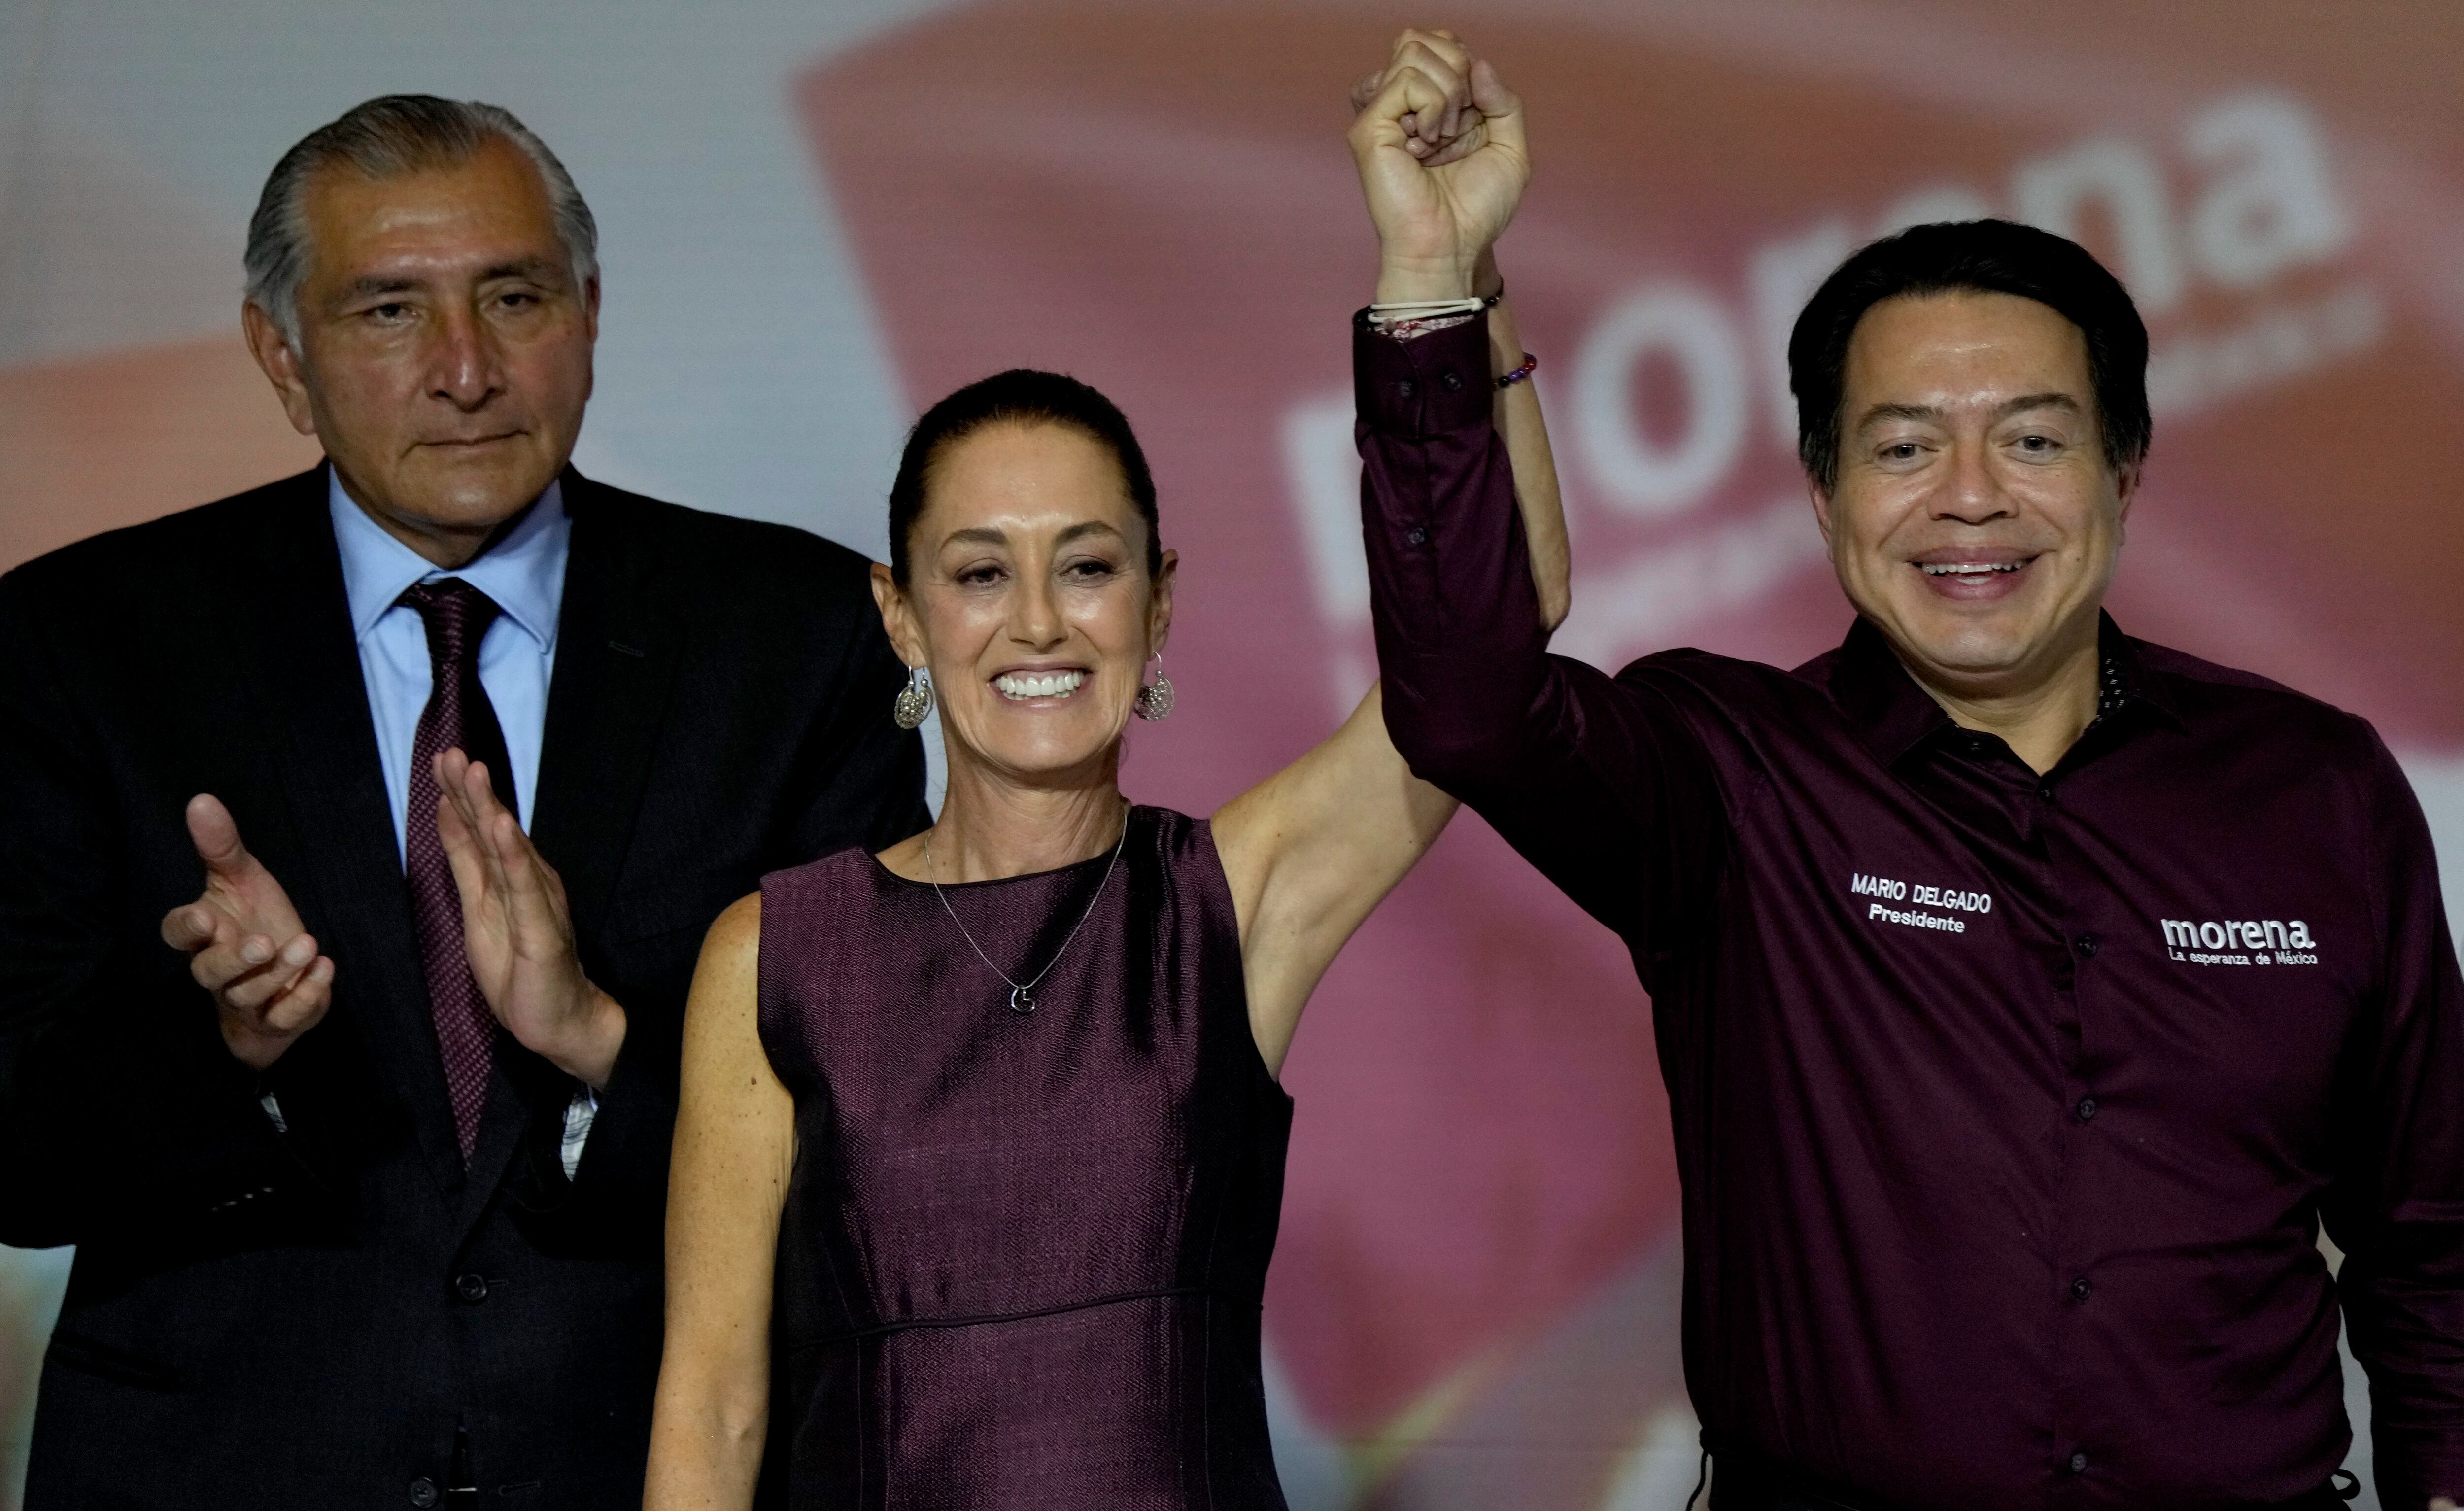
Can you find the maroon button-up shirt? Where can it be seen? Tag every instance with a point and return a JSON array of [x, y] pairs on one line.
[[2007, 1107]]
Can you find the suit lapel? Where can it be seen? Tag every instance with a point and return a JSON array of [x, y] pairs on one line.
[[616, 648], [313, 706]]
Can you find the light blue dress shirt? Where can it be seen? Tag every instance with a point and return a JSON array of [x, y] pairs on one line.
[[524, 574]]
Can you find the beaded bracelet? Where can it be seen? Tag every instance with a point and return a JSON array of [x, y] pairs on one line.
[[1529, 362]]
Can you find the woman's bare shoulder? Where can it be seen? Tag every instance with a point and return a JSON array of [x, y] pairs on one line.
[[735, 938]]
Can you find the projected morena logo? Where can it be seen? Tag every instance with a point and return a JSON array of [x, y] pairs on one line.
[[2263, 205]]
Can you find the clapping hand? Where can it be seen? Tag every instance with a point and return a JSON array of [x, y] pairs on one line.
[[518, 932], [245, 944], [1439, 142]]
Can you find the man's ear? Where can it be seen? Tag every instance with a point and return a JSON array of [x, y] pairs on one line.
[[280, 363], [2125, 489], [1821, 498], [897, 617]]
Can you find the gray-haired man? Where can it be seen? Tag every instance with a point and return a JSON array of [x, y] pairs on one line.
[[366, 1170]]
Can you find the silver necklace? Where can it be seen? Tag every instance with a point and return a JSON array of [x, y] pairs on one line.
[[1022, 994]]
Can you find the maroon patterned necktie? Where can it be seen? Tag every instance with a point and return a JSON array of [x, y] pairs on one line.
[[458, 713]]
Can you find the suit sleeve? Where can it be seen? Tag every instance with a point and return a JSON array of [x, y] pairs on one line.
[[2398, 1206], [120, 1107], [857, 779], [1601, 782]]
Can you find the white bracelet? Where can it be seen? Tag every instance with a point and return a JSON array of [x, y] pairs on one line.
[[1426, 309]]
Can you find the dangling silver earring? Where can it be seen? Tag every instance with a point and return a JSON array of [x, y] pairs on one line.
[[1155, 699], [914, 701]]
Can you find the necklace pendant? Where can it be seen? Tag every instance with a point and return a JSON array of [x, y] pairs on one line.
[[1022, 1001]]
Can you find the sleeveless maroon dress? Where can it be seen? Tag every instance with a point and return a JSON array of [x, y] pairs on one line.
[[1022, 1255]]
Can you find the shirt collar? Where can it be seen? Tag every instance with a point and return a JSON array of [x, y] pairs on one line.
[[523, 571], [1894, 714]]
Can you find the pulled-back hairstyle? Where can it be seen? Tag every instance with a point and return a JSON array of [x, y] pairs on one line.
[[1984, 256], [386, 138], [1023, 396]]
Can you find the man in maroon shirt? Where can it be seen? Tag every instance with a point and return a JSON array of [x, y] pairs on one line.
[[2028, 995]]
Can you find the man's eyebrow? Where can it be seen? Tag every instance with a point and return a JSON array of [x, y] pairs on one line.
[[2038, 401], [536, 267], [1898, 411], [369, 286], [1926, 413]]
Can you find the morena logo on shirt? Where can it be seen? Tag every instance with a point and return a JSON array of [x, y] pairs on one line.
[[2240, 941]]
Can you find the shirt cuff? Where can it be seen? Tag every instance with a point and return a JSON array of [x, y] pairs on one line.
[[578, 1114], [1436, 383]]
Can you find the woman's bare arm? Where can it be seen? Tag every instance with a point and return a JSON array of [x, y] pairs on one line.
[[735, 1150], [1309, 851], [1526, 433]]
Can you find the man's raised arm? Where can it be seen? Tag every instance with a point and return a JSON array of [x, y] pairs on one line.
[[1593, 780]]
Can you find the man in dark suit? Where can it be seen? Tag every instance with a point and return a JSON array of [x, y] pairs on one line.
[[366, 1172]]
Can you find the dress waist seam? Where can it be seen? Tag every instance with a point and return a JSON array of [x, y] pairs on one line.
[[985, 1319]]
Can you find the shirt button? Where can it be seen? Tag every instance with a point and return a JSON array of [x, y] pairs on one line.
[[2088, 1110], [2078, 1463], [1406, 388], [2086, 945], [2079, 1289], [2045, 791], [422, 1493], [1417, 536], [1450, 380], [471, 1288]]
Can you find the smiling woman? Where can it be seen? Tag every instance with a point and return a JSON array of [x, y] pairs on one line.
[[1049, 673], [985, 1128]]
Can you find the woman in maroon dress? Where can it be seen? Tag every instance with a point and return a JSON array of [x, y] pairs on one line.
[[980, 1141]]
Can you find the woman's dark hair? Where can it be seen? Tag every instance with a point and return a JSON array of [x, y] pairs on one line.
[[1021, 396], [1986, 256]]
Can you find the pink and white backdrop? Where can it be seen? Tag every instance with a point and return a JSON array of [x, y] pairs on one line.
[[816, 218]]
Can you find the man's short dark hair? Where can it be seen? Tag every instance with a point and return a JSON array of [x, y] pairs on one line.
[[1986, 256]]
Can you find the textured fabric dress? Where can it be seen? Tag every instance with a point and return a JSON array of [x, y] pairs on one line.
[[1022, 1255]]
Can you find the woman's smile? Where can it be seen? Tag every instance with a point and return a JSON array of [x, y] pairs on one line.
[[1035, 686]]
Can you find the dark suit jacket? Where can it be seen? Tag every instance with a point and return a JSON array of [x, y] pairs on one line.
[[324, 1317]]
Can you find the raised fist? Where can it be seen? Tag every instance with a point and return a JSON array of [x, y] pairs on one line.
[[1439, 141]]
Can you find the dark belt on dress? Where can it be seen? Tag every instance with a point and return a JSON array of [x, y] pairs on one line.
[[1742, 1482]]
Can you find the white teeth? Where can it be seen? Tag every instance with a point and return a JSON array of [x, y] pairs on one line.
[[1038, 685], [1968, 568]]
